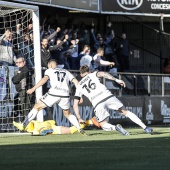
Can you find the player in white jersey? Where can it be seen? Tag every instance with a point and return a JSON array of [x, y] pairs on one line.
[[59, 81], [102, 99], [58, 93]]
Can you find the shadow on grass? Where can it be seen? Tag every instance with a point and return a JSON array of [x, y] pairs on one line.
[[154, 133], [94, 134], [74, 152]]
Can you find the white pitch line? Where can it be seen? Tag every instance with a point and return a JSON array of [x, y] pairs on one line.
[[13, 134]]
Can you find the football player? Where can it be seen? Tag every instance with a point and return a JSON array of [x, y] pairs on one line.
[[102, 99], [49, 127]]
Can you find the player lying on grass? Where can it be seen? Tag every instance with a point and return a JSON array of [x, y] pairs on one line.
[[102, 99], [49, 127]]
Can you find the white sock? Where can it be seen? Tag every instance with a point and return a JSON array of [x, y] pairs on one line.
[[31, 115], [135, 119], [108, 127], [74, 121]]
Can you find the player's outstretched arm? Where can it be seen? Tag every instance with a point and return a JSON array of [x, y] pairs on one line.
[[40, 83], [110, 77]]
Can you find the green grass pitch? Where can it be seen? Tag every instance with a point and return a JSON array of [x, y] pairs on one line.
[[100, 150]]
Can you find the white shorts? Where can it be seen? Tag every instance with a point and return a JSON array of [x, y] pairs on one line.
[[101, 109], [62, 101]]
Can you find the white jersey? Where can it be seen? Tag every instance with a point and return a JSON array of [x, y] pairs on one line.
[[91, 87], [59, 81]]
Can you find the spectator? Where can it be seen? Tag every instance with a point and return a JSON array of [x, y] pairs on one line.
[[45, 48], [18, 40], [20, 80], [86, 37], [83, 52], [87, 59], [29, 29], [45, 52], [28, 50], [24, 46], [31, 37], [53, 36], [75, 61], [7, 56], [110, 52], [99, 62], [123, 53], [109, 28], [60, 51], [99, 41]]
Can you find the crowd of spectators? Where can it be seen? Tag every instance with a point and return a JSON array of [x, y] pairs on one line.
[[71, 47]]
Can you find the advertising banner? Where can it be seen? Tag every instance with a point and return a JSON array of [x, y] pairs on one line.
[[138, 7], [151, 110]]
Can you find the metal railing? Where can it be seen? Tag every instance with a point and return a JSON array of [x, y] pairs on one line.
[[138, 84], [150, 84]]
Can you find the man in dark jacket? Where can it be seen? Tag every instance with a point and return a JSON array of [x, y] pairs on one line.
[[45, 53], [46, 48], [123, 53], [20, 80]]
